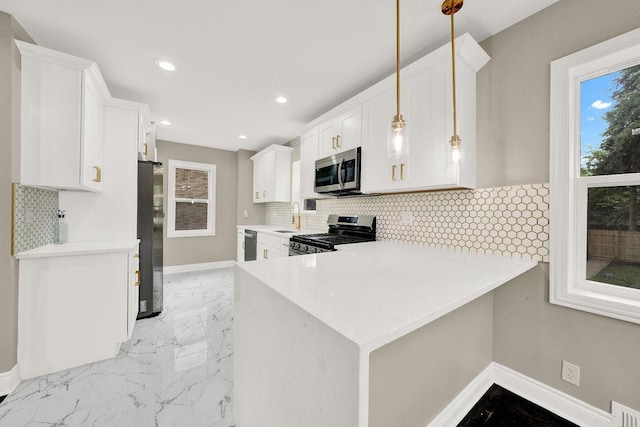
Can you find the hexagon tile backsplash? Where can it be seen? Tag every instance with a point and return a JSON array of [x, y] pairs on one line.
[[512, 221], [35, 213]]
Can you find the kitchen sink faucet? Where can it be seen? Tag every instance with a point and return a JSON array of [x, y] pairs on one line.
[[293, 217]]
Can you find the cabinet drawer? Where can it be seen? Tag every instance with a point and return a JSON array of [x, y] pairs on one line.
[[271, 240]]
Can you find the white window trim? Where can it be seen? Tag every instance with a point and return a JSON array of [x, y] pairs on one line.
[[171, 203], [567, 244]]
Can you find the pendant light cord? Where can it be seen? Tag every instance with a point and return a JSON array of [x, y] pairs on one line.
[[453, 71], [398, 58]]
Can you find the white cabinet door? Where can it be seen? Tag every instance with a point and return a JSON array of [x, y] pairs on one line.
[[51, 100], [379, 173], [341, 133], [308, 157], [262, 172], [327, 132], [133, 290], [349, 129], [268, 176], [240, 245], [429, 115], [92, 133]]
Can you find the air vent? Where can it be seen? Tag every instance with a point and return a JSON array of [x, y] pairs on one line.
[[623, 416]]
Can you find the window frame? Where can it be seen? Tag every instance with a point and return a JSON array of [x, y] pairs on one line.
[[172, 199], [568, 285]]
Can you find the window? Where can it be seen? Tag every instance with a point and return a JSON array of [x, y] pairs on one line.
[[595, 179], [192, 195]]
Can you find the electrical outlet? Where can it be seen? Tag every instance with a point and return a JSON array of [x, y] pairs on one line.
[[571, 373], [406, 217]]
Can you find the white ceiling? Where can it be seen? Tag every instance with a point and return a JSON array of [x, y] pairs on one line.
[[235, 56]]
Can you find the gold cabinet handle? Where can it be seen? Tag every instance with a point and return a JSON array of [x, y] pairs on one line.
[[146, 149], [393, 173], [338, 141], [137, 277], [98, 177], [257, 194], [333, 142], [136, 255], [402, 171]]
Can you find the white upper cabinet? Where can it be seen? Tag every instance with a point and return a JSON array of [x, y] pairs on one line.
[[340, 133], [272, 175], [62, 101], [308, 157], [426, 99], [427, 106]]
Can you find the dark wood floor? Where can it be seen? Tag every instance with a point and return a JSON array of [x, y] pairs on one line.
[[499, 407]]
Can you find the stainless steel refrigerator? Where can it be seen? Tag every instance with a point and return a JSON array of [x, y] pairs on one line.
[[150, 223]]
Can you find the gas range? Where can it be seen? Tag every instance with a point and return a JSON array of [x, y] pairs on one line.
[[343, 229]]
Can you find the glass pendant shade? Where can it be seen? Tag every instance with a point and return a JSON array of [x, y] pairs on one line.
[[397, 139], [456, 153]]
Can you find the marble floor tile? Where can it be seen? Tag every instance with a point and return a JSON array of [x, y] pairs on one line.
[[175, 371]]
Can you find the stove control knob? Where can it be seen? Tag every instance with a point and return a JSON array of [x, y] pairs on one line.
[[306, 248], [315, 250], [297, 245]]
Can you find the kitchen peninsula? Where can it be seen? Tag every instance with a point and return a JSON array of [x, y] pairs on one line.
[[374, 334]]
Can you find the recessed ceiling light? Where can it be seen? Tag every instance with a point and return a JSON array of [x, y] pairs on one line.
[[165, 122], [242, 136], [165, 65], [281, 100]]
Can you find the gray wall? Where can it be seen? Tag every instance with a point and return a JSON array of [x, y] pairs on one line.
[[531, 335], [222, 246], [9, 167], [244, 177], [413, 378]]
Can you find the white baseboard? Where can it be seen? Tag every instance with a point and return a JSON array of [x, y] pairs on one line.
[[9, 381], [170, 269], [462, 404], [554, 400]]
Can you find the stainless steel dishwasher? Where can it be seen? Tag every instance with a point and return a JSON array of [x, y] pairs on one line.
[[250, 245]]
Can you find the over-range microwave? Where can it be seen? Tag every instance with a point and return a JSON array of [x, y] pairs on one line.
[[339, 174]]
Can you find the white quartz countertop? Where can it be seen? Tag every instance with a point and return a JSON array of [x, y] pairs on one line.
[[277, 230], [79, 248], [375, 292]]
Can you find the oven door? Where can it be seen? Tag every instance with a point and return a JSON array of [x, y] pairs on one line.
[[339, 173], [295, 252]]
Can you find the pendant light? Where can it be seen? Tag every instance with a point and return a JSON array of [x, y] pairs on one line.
[[450, 7], [397, 141]]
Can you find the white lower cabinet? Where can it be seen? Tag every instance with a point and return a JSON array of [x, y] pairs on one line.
[[74, 307], [271, 247], [133, 291]]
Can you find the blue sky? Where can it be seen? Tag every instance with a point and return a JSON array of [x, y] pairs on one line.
[[595, 101]]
